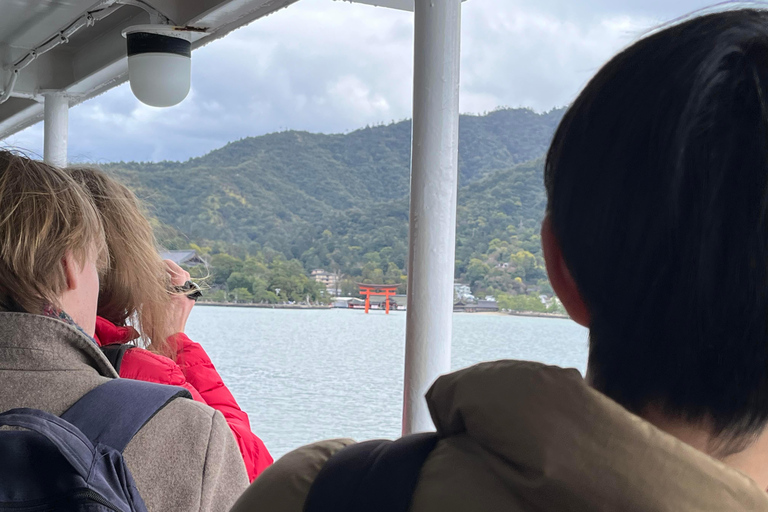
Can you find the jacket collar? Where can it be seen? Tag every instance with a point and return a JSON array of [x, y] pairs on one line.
[[562, 445], [36, 342], [108, 333]]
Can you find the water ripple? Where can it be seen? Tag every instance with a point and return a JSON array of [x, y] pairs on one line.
[[303, 376]]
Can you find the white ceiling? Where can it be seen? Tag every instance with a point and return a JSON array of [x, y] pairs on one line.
[[94, 59], [403, 5]]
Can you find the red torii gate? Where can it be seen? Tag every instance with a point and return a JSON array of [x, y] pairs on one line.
[[377, 289]]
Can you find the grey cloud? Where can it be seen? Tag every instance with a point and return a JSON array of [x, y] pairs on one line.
[[658, 10], [331, 67]]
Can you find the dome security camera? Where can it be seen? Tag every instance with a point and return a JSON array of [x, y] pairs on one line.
[[159, 63]]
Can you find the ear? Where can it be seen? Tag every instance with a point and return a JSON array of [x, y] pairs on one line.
[[71, 270], [560, 277]]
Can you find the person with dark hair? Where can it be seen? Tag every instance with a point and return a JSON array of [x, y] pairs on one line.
[[656, 239], [657, 228]]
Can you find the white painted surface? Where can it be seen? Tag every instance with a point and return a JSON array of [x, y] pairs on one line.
[[56, 128], [95, 60], [403, 5], [434, 183], [160, 79]]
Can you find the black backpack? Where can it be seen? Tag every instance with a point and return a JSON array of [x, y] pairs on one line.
[[75, 462], [374, 476]]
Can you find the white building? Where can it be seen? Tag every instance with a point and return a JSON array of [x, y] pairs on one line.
[[331, 281], [462, 292]]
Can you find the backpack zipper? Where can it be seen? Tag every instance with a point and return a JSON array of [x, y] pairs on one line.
[[95, 497]]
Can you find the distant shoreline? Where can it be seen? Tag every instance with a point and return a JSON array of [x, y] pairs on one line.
[[304, 306], [262, 306], [518, 313], [539, 315]]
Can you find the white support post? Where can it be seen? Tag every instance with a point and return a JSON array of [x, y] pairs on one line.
[[434, 184], [56, 128]]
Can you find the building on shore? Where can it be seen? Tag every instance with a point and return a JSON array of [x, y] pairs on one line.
[[462, 292], [480, 306], [188, 258], [328, 279], [397, 302], [348, 302], [487, 305]]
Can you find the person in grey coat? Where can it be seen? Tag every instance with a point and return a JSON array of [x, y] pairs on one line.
[[51, 253]]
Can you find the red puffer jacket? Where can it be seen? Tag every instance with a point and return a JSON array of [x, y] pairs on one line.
[[194, 371]]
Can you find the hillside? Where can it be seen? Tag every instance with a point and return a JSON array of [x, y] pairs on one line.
[[341, 201]]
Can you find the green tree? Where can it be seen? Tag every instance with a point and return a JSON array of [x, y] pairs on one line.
[[557, 307], [217, 296], [239, 280], [476, 271], [261, 294], [222, 266], [348, 287], [521, 303], [241, 295], [255, 266]]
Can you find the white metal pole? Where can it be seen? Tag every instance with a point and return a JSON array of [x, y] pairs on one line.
[[434, 183], [56, 128]]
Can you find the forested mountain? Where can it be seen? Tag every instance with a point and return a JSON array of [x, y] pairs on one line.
[[340, 202]]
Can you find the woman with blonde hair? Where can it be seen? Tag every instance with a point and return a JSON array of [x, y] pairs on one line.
[[52, 252], [140, 301]]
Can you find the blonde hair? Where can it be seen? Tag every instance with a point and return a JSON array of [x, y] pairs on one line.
[[136, 288], [43, 215]]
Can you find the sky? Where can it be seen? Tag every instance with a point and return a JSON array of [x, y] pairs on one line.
[[333, 66]]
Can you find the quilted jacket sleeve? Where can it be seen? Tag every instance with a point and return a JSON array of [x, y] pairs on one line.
[[141, 364], [200, 373], [285, 485]]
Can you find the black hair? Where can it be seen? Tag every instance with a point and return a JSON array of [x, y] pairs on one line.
[[657, 185]]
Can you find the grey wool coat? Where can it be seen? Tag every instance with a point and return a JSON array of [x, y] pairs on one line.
[[185, 458]]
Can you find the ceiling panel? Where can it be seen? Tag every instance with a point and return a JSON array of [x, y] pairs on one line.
[[23, 24], [94, 59]]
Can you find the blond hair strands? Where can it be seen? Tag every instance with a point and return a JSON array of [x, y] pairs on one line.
[[43, 215], [136, 288]]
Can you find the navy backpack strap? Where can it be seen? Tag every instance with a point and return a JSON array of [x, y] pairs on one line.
[[114, 412], [374, 476], [115, 353], [72, 444]]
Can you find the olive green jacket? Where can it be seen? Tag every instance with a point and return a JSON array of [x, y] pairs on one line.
[[184, 459], [521, 436]]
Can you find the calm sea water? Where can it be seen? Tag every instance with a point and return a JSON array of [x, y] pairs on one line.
[[304, 376]]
